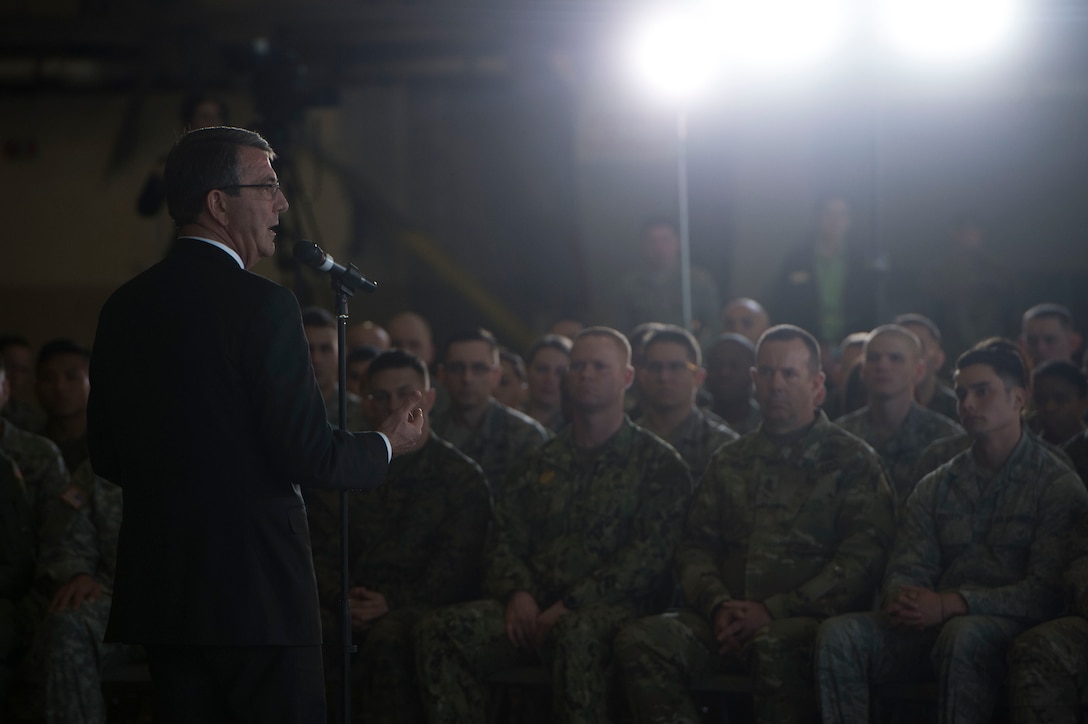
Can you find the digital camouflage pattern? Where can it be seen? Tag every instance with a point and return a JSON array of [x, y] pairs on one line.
[[503, 436], [1002, 544], [593, 528], [803, 528], [944, 450], [697, 437], [418, 540], [356, 419], [68, 654], [900, 452], [1048, 665], [46, 480]]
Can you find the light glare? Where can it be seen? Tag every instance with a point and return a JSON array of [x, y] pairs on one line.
[[677, 54], [782, 35], [942, 30]]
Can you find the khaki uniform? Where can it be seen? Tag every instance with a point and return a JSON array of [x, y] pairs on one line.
[[1002, 544], [418, 541], [900, 452], [803, 528], [503, 435], [592, 528]]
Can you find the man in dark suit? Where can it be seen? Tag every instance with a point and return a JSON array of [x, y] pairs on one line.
[[205, 410]]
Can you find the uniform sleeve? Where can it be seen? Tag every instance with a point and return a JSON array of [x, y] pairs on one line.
[[864, 527], [916, 556], [78, 550], [16, 533], [641, 564], [701, 546], [505, 568], [453, 572], [1038, 595]]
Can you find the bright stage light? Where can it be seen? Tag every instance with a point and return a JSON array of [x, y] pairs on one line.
[[944, 30], [677, 53]]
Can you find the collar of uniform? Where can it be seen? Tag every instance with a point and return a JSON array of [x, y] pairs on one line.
[[561, 448], [218, 245], [807, 448]]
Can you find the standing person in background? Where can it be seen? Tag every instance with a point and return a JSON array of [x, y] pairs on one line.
[[214, 568]]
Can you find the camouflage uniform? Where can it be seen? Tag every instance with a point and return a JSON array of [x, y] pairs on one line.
[[356, 419], [593, 528], [1077, 450], [68, 654], [1001, 544], [17, 554], [944, 402], [503, 435], [697, 437], [1048, 665], [947, 448], [750, 423], [24, 415], [900, 452], [417, 540], [47, 480], [802, 527]]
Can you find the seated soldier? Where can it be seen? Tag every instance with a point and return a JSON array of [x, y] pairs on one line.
[[546, 365], [1048, 665], [850, 351], [583, 532], [745, 317], [978, 559], [893, 423], [63, 385], [513, 389], [931, 392], [1077, 450], [475, 423], [323, 337], [415, 544], [670, 377], [1046, 333], [791, 524], [1059, 390], [66, 660], [18, 358], [729, 363]]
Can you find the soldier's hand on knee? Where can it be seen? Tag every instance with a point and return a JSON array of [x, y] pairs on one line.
[[72, 594], [522, 613]]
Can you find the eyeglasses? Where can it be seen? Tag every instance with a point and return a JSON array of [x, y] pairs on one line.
[[273, 189], [672, 367], [384, 396]]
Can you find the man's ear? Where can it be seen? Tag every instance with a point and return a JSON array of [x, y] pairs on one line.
[[429, 396]]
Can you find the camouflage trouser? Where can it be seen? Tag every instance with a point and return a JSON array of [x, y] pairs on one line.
[[459, 647], [966, 655], [66, 660], [1048, 673], [383, 672], [658, 655]]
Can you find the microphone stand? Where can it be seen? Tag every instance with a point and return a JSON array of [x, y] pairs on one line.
[[343, 293]]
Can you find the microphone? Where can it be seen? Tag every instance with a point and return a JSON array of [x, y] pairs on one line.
[[311, 254]]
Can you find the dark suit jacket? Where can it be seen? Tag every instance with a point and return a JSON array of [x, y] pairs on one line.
[[205, 410]]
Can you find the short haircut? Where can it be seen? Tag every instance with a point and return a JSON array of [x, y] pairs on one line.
[[677, 335], [57, 347], [1003, 356], [203, 160], [549, 341], [854, 338], [1063, 370], [478, 334], [1049, 310], [919, 320], [363, 353], [318, 317], [895, 330], [13, 340], [788, 333], [733, 337], [396, 359], [515, 360], [611, 334]]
